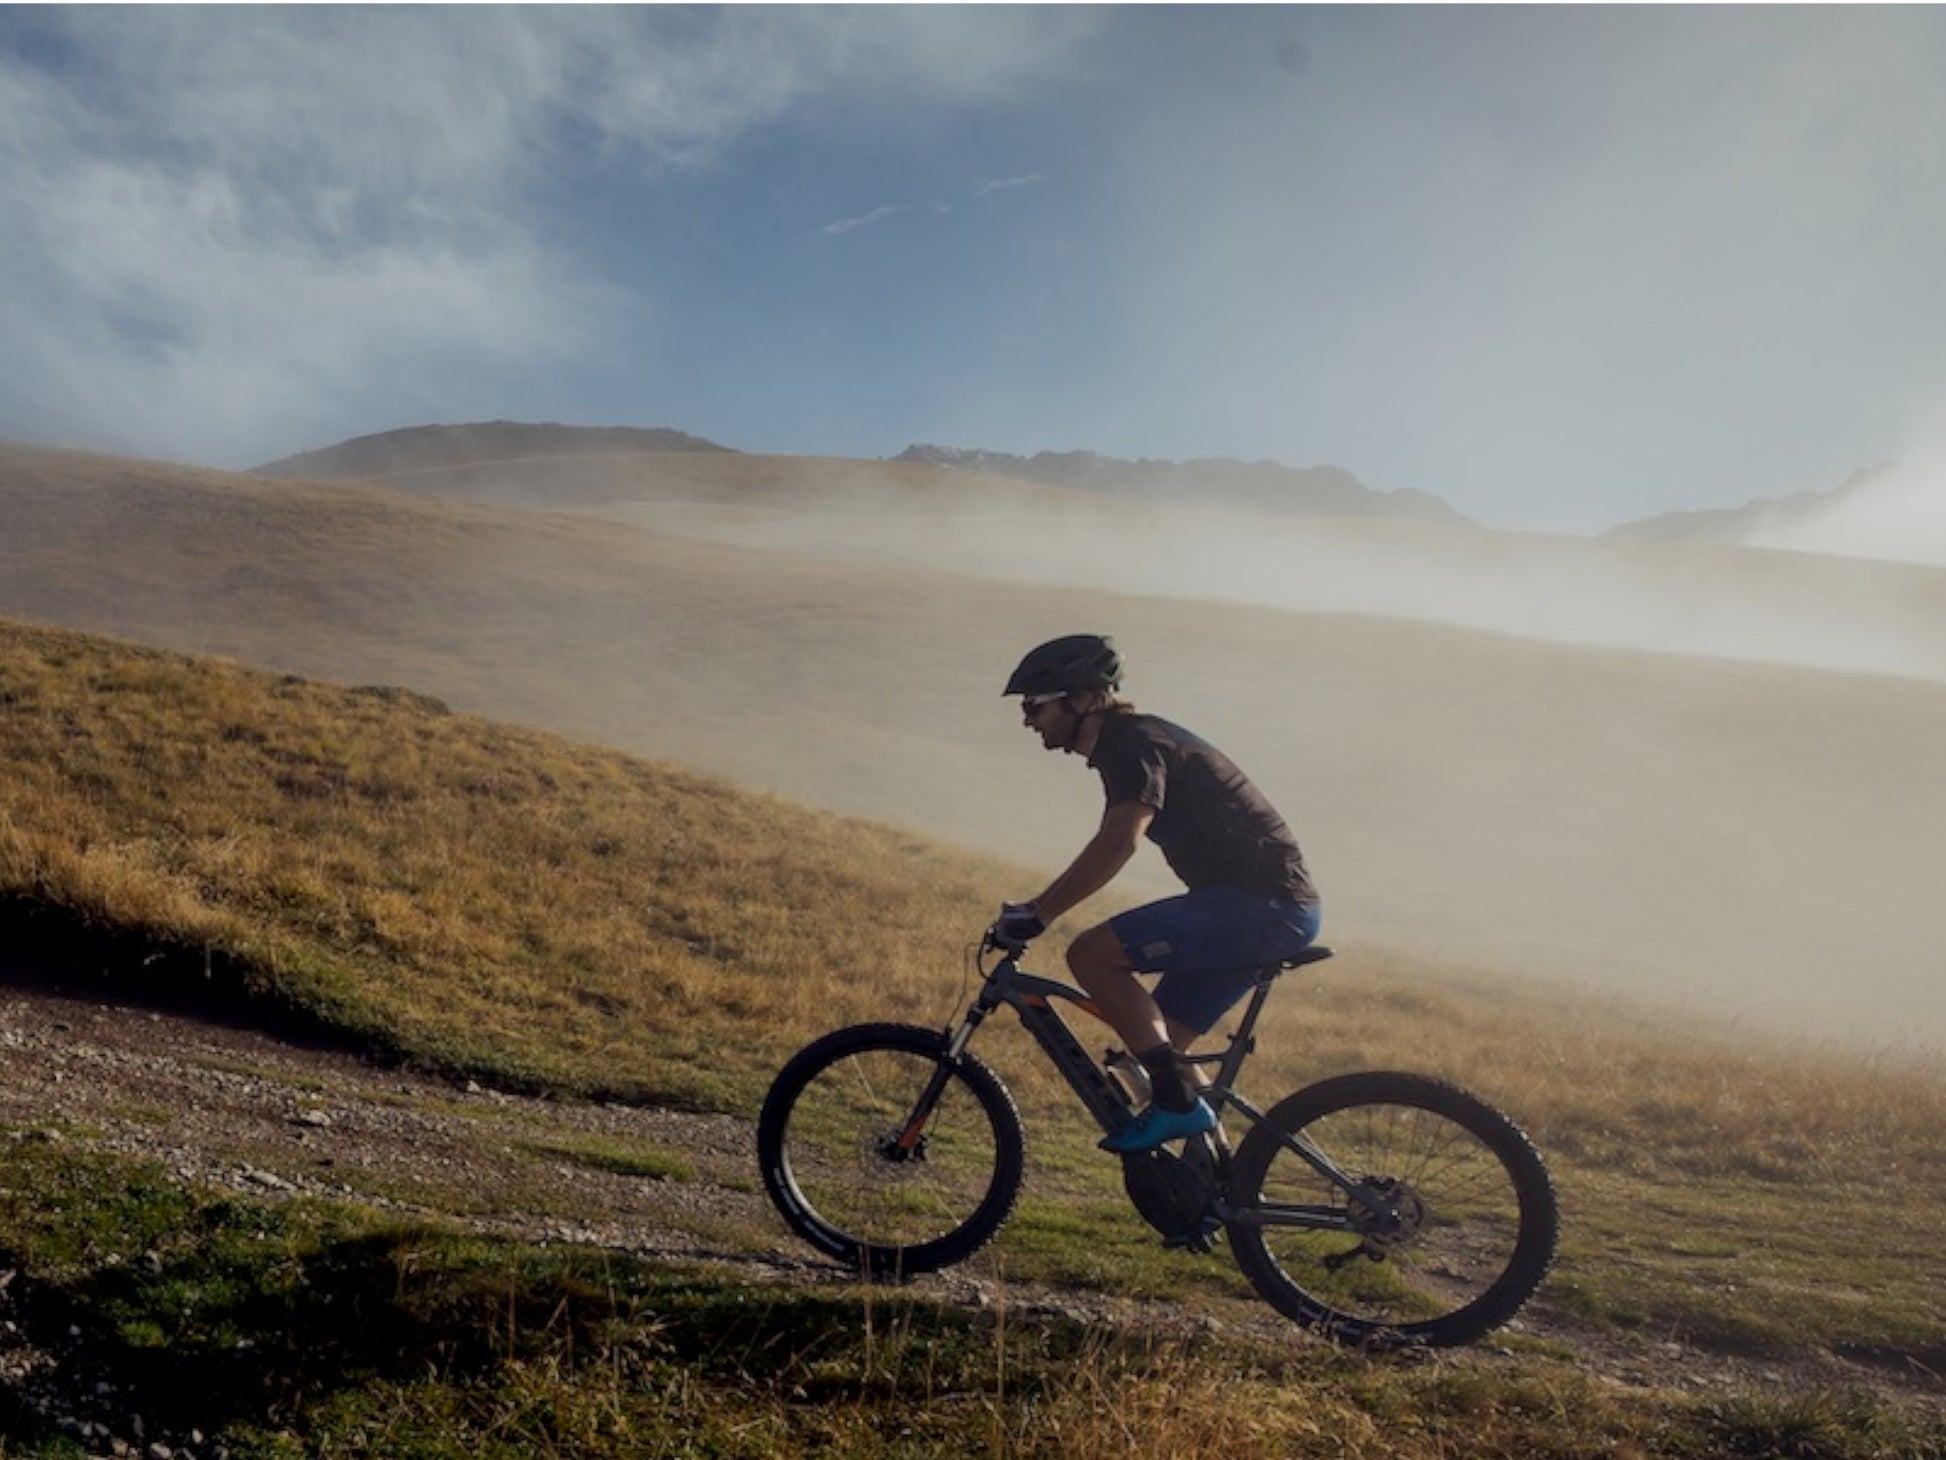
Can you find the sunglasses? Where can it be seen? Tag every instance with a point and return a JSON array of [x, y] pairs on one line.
[[1029, 704]]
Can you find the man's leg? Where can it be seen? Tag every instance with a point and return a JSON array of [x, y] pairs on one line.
[[1183, 1039], [1101, 966]]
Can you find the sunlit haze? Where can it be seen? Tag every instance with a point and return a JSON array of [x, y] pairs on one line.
[[1562, 267]]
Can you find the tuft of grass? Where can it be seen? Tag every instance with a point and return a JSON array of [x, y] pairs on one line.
[[1822, 1425]]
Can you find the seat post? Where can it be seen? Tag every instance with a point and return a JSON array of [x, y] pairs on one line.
[[1259, 996], [1243, 1040]]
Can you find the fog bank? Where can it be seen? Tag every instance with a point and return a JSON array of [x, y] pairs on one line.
[[1896, 514], [1768, 607]]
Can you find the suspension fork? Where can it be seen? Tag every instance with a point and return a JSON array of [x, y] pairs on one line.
[[910, 1141]]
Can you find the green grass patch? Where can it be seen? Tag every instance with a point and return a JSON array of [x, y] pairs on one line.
[[615, 1157], [311, 1328]]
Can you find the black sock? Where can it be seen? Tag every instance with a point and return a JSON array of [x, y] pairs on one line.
[[1169, 1086]]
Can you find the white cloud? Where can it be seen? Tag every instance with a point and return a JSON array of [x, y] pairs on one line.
[[1001, 184], [877, 215], [938, 210], [224, 228], [1565, 265]]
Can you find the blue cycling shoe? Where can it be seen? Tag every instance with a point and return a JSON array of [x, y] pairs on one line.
[[1156, 1126]]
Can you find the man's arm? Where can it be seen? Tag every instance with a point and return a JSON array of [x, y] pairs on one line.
[[1107, 852]]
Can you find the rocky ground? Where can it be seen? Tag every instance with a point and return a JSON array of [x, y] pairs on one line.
[[234, 1108]]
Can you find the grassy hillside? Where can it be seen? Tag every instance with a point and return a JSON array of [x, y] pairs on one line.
[[466, 893], [1730, 838], [526, 910], [1682, 597], [507, 904], [297, 1330]]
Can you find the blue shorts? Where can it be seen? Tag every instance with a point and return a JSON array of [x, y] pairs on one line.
[[1209, 945]]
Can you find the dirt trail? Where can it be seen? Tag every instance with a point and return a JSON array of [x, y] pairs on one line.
[[237, 1109]]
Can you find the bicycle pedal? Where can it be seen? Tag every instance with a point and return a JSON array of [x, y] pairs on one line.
[[1199, 1239]]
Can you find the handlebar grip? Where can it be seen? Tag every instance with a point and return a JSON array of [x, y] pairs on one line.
[[998, 942]]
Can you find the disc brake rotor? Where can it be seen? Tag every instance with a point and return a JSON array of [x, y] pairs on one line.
[[1394, 1222], [889, 1150]]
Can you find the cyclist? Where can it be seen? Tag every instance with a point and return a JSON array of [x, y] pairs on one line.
[[1250, 901]]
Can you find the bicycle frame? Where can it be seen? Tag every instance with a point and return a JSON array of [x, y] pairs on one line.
[[1034, 999]]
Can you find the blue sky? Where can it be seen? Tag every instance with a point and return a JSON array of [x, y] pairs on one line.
[[1561, 266]]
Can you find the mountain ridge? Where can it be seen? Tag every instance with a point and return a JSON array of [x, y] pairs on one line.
[[1890, 513], [1213, 481], [1739, 526], [1323, 489], [412, 448]]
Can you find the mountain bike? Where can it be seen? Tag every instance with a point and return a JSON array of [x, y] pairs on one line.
[[1382, 1209]]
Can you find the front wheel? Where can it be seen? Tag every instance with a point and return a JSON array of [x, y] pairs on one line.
[[885, 1152], [1448, 1227]]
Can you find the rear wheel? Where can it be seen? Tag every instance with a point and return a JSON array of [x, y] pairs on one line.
[[882, 1151], [1451, 1229]]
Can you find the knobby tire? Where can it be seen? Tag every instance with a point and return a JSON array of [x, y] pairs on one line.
[[828, 1147], [1481, 1224]]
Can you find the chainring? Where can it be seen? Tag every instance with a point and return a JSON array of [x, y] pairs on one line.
[[1172, 1194]]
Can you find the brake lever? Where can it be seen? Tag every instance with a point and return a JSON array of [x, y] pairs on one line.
[[997, 942]]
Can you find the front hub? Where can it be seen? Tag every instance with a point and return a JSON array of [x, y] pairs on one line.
[[1391, 1218]]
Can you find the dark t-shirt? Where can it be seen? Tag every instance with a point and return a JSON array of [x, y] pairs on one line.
[[1214, 827]]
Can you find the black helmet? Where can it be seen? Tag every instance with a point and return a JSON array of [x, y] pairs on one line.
[[1078, 661]]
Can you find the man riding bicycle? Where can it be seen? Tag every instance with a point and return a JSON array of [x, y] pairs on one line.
[[1250, 901]]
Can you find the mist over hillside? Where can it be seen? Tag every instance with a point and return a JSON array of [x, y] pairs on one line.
[[1678, 597], [1893, 513], [1736, 839], [459, 452], [1264, 485], [1693, 599]]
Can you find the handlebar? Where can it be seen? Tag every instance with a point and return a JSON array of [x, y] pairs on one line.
[[994, 941]]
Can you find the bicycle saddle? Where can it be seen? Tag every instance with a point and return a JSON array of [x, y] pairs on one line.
[[1316, 953]]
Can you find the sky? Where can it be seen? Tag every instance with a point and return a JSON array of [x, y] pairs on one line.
[[1562, 267]]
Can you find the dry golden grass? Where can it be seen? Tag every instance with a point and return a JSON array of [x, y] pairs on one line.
[[523, 908], [465, 891]]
